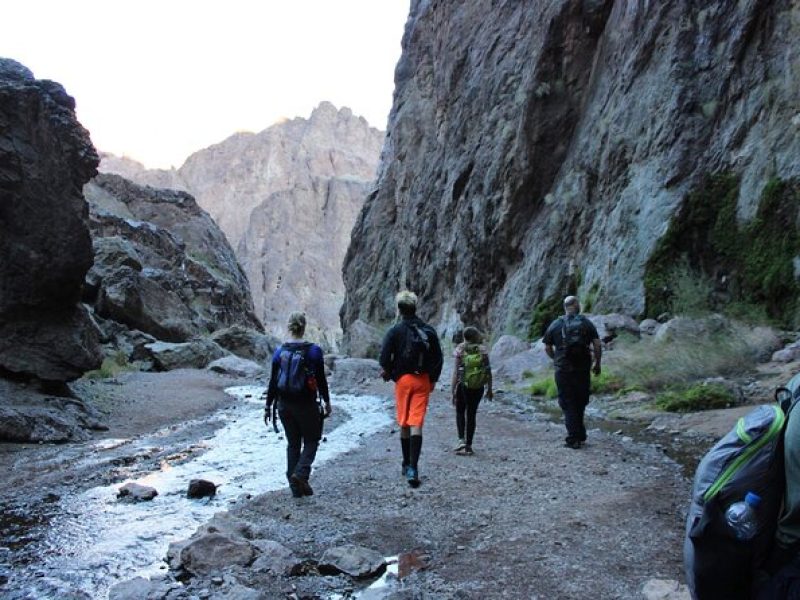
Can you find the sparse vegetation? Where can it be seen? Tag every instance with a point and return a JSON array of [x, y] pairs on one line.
[[745, 270], [695, 398], [110, 367], [546, 386], [527, 374], [607, 383]]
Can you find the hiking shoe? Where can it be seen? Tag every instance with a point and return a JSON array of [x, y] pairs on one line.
[[574, 444], [468, 451], [460, 445], [302, 485], [296, 491], [412, 476], [403, 469]]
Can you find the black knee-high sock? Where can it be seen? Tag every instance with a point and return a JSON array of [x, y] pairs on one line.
[[405, 444], [416, 449]]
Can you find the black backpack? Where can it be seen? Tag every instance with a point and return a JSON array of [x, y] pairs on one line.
[[416, 349], [574, 339], [295, 376]]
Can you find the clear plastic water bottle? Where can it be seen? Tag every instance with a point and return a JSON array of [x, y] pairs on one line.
[[742, 517]]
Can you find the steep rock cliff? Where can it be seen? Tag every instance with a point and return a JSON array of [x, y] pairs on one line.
[[539, 147], [286, 198], [162, 266], [45, 247]]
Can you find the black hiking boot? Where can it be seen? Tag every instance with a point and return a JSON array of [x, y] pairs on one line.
[[302, 485]]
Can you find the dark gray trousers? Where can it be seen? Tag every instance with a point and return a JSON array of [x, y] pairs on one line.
[[467, 402], [302, 425], [573, 396]]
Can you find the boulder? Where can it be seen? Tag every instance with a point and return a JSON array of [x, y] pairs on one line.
[[788, 353], [274, 558], [685, 328], [356, 561], [137, 588], [247, 343], [649, 326], [665, 589], [518, 366], [196, 354], [45, 246], [213, 552], [611, 325], [350, 372], [237, 367], [506, 346], [201, 488], [362, 340], [38, 424], [135, 492]]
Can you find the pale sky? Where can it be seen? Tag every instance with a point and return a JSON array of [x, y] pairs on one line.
[[159, 79]]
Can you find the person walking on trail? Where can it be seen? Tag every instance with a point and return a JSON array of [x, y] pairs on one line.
[[568, 341], [471, 373], [298, 374], [411, 356]]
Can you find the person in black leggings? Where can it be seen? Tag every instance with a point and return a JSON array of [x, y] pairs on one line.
[[466, 399]]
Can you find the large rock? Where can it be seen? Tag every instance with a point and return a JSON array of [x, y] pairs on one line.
[[214, 552], [521, 365], [195, 354], [136, 492], [247, 343], [237, 367], [507, 346], [45, 247], [298, 188], [551, 146], [348, 373], [162, 265], [685, 328], [355, 561], [612, 325], [274, 558], [363, 340]]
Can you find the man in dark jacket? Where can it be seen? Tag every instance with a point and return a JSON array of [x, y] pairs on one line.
[[568, 341], [411, 357]]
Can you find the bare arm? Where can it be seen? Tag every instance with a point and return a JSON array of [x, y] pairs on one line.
[[548, 348]]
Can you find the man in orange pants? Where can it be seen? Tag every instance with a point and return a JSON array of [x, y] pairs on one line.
[[412, 357]]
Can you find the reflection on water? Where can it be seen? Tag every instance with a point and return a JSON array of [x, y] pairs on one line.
[[96, 541]]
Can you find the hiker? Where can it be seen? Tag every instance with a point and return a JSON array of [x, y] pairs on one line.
[[411, 357], [567, 341], [471, 373], [298, 373]]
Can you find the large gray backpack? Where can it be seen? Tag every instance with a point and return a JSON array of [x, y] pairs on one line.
[[748, 459]]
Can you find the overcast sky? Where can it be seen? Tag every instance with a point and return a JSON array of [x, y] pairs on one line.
[[158, 79]]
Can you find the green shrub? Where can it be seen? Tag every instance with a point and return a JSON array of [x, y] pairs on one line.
[[544, 387], [698, 397], [527, 374], [691, 291], [606, 383], [110, 367]]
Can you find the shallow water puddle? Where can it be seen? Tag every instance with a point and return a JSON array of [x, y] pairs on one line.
[[97, 541]]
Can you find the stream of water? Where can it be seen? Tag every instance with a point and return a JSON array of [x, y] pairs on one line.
[[97, 541]]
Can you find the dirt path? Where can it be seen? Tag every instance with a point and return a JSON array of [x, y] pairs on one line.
[[524, 518]]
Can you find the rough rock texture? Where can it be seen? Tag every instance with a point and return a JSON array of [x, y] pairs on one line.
[[237, 367], [246, 343], [352, 560], [136, 492], [214, 551], [45, 248], [162, 266], [553, 143], [286, 198], [194, 354]]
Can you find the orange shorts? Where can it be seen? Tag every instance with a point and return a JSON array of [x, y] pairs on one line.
[[412, 393]]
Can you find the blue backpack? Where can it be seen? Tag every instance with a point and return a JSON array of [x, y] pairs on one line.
[[296, 377]]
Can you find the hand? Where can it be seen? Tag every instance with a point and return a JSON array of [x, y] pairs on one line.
[[454, 399], [596, 369], [490, 395], [267, 415], [328, 409], [385, 376]]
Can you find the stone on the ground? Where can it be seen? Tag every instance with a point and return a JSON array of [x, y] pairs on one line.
[[788, 353], [195, 354], [611, 325], [665, 589], [353, 371], [213, 552], [649, 326], [237, 367], [247, 343], [684, 328], [352, 560], [506, 346], [137, 588], [274, 558], [362, 340], [32, 424], [519, 366], [136, 492], [201, 488]]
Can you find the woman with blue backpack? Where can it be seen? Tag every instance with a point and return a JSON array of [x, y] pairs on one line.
[[471, 373], [298, 375]]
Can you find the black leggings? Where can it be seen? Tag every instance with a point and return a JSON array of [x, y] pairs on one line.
[[467, 402]]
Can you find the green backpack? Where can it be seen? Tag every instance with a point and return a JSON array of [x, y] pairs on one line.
[[474, 369]]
